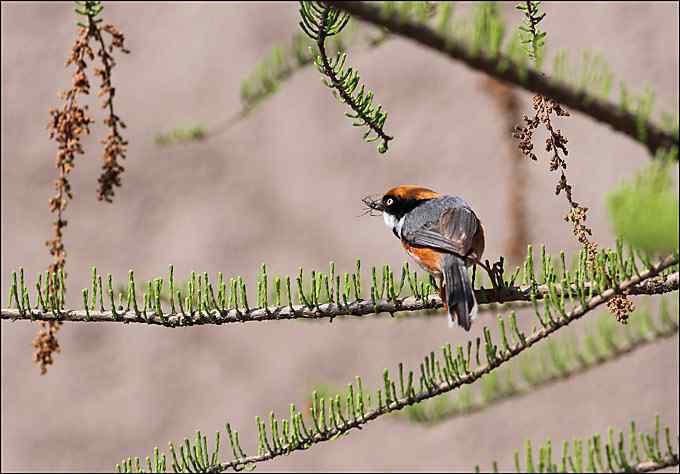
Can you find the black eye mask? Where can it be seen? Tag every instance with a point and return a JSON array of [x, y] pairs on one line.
[[401, 207], [398, 208]]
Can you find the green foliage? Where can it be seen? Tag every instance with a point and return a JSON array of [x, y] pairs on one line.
[[643, 111], [531, 35], [558, 359], [181, 134], [671, 124], [416, 11], [328, 392], [645, 211], [320, 21], [281, 63], [488, 30], [265, 80], [90, 9], [592, 76], [199, 298], [595, 76], [285, 59], [643, 452], [365, 113], [483, 31], [317, 294], [155, 463]]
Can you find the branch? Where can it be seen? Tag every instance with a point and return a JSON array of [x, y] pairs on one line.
[[653, 466], [503, 68], [438, 376], [605, 342], [600, 454], [653, 286], [266, 78], [321, 21]]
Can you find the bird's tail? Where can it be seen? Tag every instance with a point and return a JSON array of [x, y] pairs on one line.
[[460, 297]]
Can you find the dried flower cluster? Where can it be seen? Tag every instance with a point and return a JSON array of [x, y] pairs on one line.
[[67, 126], [115, 147], [556, 143], [621, 306], [45, 344], [544, 107], [577, 215]]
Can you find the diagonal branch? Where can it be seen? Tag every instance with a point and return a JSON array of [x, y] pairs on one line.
[[562, 361], [656, 285], [503, 68]]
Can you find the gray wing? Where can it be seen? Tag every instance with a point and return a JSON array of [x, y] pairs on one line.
[[454, 232]]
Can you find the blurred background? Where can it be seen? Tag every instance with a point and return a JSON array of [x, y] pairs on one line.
[[284, 187]]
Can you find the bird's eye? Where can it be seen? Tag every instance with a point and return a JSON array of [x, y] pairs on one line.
[[389, 202]]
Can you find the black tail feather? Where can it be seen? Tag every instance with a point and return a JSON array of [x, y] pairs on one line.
[[460, 296]]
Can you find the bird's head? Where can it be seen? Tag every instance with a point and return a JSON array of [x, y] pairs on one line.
[[399, 201]]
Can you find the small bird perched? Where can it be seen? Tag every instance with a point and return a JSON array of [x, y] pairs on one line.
[[443, 234]]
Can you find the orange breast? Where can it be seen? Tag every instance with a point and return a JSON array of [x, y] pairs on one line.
[[427, 258]]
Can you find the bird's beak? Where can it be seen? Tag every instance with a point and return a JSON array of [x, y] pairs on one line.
[[373, 203]]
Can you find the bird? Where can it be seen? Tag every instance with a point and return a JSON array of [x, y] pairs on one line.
[[443, 235]]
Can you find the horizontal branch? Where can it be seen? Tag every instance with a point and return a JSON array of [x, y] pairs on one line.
[[656, 285], [504, 69]]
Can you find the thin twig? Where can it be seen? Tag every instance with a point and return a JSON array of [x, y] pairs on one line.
[[338, 86]]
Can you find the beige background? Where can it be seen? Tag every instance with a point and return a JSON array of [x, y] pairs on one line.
[[284, 187]]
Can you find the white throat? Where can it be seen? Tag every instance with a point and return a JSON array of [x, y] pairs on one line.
[[393, 223]]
